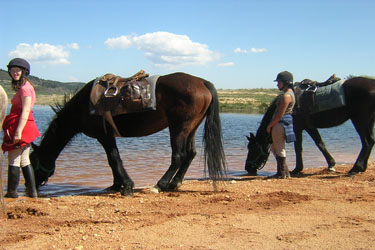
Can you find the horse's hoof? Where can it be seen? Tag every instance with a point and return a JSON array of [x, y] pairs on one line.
[[353, 173], [162, 186], [295, 172], [252, 173], [331, 169], [173, 186], [127, 191], [155, 189], [355, 170]]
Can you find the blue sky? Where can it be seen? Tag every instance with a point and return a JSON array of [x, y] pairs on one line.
[[232, 43]]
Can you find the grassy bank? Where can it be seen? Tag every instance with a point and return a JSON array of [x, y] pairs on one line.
[[253, 101]]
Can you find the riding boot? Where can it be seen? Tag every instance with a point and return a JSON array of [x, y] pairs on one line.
[[28, 175], [283, 167], [13, 180]]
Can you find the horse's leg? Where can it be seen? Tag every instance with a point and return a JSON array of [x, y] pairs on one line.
[[315, 135], [365, 131], [178, 144], [190, 154], [121, 180], [298, 151]]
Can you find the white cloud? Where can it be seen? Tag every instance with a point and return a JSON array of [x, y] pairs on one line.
[[122, 42], [238, 50], [44, 53], [166, 49], [252, 50], [228, 64], [255, 50]]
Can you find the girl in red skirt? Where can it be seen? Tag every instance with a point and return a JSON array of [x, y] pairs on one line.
[[20, 129]]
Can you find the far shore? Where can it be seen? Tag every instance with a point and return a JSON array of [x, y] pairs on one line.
[[228, 103]]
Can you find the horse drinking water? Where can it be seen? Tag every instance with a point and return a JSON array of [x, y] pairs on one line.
[[359, 93], [182, 102]]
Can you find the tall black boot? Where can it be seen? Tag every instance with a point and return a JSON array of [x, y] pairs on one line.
[[28, 174], [13, 180], [283, 167]]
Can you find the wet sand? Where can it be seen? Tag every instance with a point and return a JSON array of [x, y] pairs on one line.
[[317, 210]]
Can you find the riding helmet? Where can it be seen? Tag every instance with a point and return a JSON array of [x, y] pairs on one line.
[[285, 77], [21, 63]]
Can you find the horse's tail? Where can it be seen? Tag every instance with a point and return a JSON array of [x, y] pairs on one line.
[[214, 157]]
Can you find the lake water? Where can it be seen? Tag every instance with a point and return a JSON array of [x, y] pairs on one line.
[[79, 169]]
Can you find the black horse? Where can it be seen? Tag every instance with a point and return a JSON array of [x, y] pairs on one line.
[[359, 94], [182, 103]]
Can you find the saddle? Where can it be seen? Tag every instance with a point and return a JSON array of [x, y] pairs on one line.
[[309, 85], [313, 96], [122, 95]]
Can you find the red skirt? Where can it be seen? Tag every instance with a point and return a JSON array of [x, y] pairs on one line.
[[29, 133]]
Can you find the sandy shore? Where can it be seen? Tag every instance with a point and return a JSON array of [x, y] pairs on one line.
[[317, 210]]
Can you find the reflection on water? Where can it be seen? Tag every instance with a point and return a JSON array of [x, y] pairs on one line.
[[83, 166]]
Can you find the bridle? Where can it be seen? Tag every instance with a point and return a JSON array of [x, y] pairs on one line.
[[47, 172], [262, 157]]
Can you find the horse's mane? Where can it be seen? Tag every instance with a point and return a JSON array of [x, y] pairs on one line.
[[262, 130], [58, 106], [71, 99], [67, 107]]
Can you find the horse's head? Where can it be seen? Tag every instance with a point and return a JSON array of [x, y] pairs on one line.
[[42, 170], [258, 152]]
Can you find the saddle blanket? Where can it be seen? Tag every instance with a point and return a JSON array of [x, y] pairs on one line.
[[325, 98], [329, 97], [132, 97]]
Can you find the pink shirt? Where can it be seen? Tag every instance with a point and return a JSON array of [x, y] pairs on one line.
[[30, 131], [26, 90]]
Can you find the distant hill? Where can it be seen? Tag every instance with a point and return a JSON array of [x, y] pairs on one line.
[[42, 86]]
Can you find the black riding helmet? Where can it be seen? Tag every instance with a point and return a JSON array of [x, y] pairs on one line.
[[285, 77], [21, 63]]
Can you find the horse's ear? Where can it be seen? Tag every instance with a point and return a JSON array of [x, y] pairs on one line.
[[34, 146], [252, 136]]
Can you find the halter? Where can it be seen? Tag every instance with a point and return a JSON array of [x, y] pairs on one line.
[[38, 166], [263, 153]]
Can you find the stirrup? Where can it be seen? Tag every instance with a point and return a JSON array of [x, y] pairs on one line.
[[312, 88], [111, 94]]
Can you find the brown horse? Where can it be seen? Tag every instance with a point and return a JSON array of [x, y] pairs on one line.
[[182, 103], [359, 94]]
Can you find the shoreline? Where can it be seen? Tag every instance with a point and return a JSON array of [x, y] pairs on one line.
[[247, 212]]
